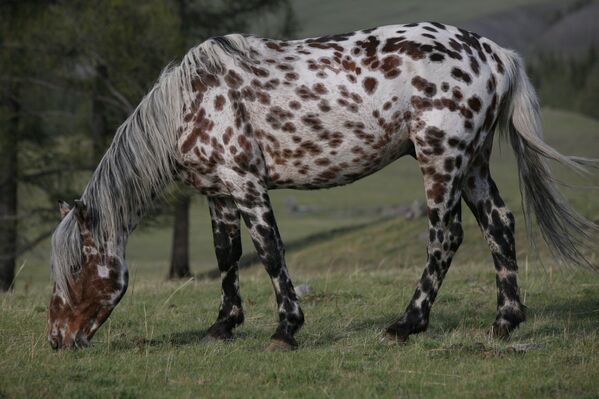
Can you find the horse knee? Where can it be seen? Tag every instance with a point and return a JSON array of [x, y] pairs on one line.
[[456, 235]]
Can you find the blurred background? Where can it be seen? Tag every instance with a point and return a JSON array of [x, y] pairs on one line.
[[71, 72]]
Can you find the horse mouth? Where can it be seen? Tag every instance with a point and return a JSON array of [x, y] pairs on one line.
[[78, 340]]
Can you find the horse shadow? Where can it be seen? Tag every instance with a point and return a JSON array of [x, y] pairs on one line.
[[182, 338], [175, 339], [576, 315]]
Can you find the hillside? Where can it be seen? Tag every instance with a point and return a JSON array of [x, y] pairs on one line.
[[317, 18], [399, 183], [564, 27], [574, 33], [360, 281]]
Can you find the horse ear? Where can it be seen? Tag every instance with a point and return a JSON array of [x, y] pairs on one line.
[[64, 209], [81, 213]]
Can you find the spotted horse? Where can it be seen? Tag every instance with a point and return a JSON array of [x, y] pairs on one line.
[[241, 115]]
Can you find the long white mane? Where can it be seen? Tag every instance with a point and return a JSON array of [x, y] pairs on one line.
[[141, 161]]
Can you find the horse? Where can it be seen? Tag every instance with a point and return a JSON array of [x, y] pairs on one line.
[[241, 115]]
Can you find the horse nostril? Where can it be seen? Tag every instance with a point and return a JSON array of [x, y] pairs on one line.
[[55, 341]]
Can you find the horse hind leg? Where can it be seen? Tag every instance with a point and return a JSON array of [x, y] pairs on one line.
[[443, 171], [498, 225]]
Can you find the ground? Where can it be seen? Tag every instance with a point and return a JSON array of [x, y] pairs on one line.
[[361, 278], [151, 347]]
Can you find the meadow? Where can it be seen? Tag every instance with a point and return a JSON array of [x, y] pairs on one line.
[[361, 273], [361, 268]]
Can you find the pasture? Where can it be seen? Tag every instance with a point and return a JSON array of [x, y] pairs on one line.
[[361, 269], [361, 279]]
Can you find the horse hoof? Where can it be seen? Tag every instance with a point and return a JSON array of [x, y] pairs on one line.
[[210, 338], [218, 332], [500, 332], [217, 338], [277, 345], [394, 339]]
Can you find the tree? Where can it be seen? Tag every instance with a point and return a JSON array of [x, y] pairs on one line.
[[180, 247], [20, 134], [119, 47], [10, 109], [198, 21], [65, 93], [569, 83]]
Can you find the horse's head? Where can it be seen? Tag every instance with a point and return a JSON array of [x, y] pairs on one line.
[[90, 289]]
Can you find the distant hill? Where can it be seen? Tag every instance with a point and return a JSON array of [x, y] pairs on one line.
[[553, 36], [563, 28], [318, 17], [573, 33], [530, 26]]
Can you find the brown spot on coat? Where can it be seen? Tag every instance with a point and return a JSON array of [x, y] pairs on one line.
[[369, 84], [474, 103], [421, 103], [227, 136], [319, 88], [219, 102], [459, 74], [233, 79], [423, 85]]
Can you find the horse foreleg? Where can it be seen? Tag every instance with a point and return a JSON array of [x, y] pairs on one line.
[[227, 245], [253, 202]]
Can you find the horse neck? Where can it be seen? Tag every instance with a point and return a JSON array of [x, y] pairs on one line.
[[139, 164], [113, 217]]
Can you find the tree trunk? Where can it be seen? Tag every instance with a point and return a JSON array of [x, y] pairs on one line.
[[100, 135], [180, 249], [8, 187]]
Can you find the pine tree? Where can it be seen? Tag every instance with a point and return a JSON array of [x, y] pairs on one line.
[[198, 22]]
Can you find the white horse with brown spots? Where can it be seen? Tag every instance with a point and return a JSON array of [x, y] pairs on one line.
[[241, 115]]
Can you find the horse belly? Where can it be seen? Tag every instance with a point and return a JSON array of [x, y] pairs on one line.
[[330, 150]]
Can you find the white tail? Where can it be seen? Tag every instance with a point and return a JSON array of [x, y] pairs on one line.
[[564, 230]]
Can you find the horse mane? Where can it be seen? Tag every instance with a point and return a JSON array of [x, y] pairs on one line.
[[141, 160]]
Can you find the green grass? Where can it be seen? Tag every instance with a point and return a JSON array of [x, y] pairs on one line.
[[361, 281], [151, 346]]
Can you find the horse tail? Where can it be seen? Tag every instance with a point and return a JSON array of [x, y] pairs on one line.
[[565, 231]]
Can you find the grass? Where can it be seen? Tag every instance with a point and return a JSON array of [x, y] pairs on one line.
[[361, 279], [151, 346]]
